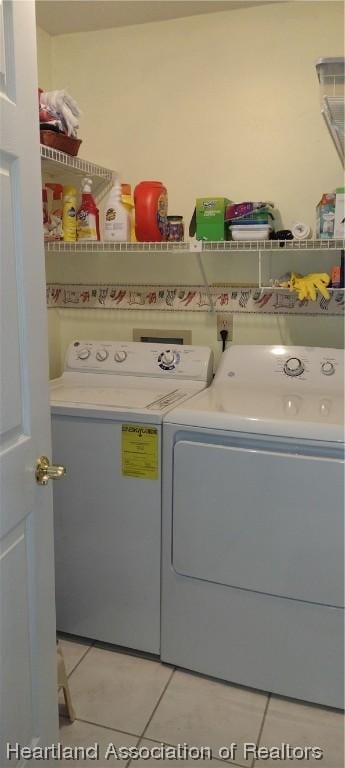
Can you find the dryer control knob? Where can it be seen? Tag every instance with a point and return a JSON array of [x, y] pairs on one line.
[[120, 356], [293, 366], [102, 355], [84, 353], [168, 357], [327, 368]]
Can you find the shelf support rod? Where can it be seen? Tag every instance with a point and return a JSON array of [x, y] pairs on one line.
[[204, 278]]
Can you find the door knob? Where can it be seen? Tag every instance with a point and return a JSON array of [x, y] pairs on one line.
[[46, 471]]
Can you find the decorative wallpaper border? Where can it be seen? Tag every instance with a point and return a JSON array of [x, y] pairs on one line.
[[190, 298]]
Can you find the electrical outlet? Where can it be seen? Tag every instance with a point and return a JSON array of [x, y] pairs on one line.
[[225, 322]]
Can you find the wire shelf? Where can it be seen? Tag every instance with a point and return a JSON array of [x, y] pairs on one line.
[[275, 245], [66, 169], [205, 247], [101, 247], [333, 112], [331, 74], [279, 289]]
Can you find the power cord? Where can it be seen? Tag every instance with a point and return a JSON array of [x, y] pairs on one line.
[[224, 335]]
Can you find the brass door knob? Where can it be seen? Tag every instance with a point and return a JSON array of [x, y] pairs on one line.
[[46, 471]]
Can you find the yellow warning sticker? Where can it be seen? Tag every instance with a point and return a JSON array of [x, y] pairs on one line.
[[140, 451]]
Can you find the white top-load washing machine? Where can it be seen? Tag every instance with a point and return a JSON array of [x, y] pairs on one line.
[[107, 411], [253, 524]]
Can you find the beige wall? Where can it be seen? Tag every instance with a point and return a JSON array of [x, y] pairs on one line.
[[226, 103], [44, 59]]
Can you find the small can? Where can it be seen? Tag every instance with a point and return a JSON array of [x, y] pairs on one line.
[[175, 229], [336, 277]]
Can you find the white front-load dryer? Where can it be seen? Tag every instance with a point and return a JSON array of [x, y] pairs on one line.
[[107, 411], [253, 524]]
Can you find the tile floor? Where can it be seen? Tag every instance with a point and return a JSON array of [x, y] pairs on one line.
[[131, 701]]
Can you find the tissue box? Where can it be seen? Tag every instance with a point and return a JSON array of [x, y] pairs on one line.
[[210, 213], [339, 222], [325, 215]]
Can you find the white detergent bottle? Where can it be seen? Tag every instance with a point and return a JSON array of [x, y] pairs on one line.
[[117, 220]]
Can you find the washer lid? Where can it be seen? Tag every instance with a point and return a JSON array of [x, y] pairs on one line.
[[85, 391], [285, 391]]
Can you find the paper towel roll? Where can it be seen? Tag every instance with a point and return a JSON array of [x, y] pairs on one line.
[[301, 231]]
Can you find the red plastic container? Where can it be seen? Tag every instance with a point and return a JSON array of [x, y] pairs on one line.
[[151, 208]]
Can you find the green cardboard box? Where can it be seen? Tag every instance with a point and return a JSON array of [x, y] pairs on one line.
[[210, 224]]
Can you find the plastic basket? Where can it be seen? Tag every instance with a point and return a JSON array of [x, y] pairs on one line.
[[331, 74], [61, 142]]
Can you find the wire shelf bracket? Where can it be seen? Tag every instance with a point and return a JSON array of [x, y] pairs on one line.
[[333, 112], [196, 247]]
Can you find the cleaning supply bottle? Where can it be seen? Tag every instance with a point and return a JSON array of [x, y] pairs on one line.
[[151, 209], [45, 213], [88, 214], [117, 221], [128, 202], [55, 216], [69, 221]]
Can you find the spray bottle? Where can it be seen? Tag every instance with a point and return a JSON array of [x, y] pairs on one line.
[[88, 214]]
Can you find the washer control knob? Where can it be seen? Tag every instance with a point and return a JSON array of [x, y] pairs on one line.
[[101, 355], [168, 357], [84, 353], [120, 356], [293, 366], [327, 368]]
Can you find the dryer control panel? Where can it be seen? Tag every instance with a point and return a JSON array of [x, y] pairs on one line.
[[140, 359], [266, 367]]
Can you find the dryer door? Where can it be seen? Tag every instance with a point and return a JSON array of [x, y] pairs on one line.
[[260, 520]]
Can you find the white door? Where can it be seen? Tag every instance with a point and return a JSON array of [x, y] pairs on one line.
[[28, 706]]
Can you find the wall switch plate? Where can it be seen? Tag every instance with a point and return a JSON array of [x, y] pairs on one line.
[[225, 322]]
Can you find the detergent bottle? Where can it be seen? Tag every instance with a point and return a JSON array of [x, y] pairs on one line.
[[88, 214], [117, 222], [128, 202], [151, 209]]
